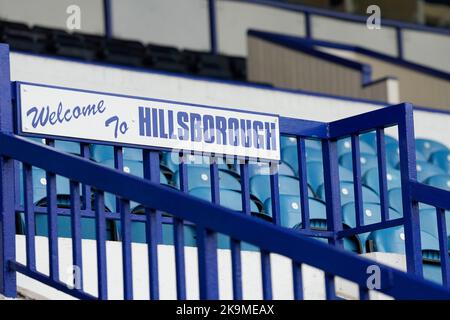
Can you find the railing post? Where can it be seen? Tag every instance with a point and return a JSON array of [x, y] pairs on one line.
[[7, 214], [410, 207]]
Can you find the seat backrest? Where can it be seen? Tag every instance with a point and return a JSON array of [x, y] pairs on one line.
[[428, 146], [228, 198], [393, 178], [441, 158]]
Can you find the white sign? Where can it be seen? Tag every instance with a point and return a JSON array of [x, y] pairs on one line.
[[98, 117]]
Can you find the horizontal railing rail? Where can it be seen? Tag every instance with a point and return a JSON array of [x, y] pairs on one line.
[[214, 218]]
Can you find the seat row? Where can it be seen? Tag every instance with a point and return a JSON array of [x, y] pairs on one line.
[[121, 52]]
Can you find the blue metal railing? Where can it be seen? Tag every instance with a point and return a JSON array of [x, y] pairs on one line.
[[209, 219]]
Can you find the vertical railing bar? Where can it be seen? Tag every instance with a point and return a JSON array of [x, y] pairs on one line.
[[207, 244], [266, 275], [86, 190], [332, 190], [52, 222], [125, 219], [101, 245], [443, 246], [330, 288], [153, 222], [178, 226], [207, 263], [297, 280], [8, 283], [275, 192], [408, 172], [382, 175], [75, 211], [356, 160], [364, 293], [333, 203], [118, 164], [245, 187], [303, 180], [29, 215]]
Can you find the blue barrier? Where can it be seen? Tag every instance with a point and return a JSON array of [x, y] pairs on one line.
[[210, 218]]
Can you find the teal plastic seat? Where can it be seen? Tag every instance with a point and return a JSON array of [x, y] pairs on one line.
[[371, 214], [426, 170], [230, 199], [347, 194], [263, 168], [260, 187], [393, 155], [371, 139], [367, 161], [428, 222], [289, 155], [102, 153], [428, 146], [68, 146], [64, 227], [131, 167], [440, 181], [393, 179], [314, 174], [393, 240], [287, 141], [171, 160], [345, 146], [200, 177], [441, 159], [291, 211]]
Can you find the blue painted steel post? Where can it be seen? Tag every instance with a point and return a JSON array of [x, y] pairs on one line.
[[410, 208], [108, 18], [212, 25], [7, 221]]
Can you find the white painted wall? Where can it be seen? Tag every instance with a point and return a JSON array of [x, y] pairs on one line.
[[354, 33], [52, 13], [235, 18], [432, 50], [51, 71], [179, 23], [281, 267]]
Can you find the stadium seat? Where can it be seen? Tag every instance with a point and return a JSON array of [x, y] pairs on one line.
[[262, 168], [441, 159], [393, 240], [371, 215], [290, 157], [393, 179], [289, 141], [260, 187], [347, 193], [207, 64], [290, 210], [393, 157], [428, 221], [439, 181], [19, 37], [367, 161], [427, 147], [102, 153], [200, 177], [64, 227], [371, 139], [345, 146], [230, 199], [238, 67], [314, 175], [72, 46], [68, 146], [123, 52], [426, 170], [165, 58]]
